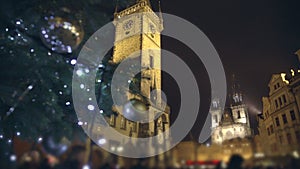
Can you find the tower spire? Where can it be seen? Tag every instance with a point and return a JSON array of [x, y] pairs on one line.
[[236, 93], [116, 9]]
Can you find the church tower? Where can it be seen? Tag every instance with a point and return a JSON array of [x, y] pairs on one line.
[[238, 107], [234, 122]]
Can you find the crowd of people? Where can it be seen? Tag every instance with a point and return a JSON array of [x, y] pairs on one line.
[[77, 158]]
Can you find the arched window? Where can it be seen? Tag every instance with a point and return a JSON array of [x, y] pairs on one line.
[[238, 114]]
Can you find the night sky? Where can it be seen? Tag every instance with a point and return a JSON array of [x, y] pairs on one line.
[[254, 39]]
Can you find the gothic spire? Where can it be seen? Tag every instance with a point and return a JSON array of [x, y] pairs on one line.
[[236, 92]]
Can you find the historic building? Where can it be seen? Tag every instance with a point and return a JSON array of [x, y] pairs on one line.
[[137, 37], [279, 123], [234, 122]]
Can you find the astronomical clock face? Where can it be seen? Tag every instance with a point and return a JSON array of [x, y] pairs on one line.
[[152, 28], [128, 25]]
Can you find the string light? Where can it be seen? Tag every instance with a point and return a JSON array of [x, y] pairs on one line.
[[91, 107]]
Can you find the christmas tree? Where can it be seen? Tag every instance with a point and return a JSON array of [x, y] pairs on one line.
[[39, 44]]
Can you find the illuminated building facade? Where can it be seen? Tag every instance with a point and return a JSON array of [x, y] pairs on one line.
[[234, 122], [279, 123], [137, 36]]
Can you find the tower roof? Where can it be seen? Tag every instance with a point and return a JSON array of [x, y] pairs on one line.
[[227, 117]]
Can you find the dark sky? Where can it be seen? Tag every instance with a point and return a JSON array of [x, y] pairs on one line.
[[254, 39]]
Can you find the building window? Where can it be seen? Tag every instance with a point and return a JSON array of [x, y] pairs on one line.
[[293, 116], [281, 139], [276, 103], [271, 129], [151, 62], [277, 121], [280, 101], [289, 138], [134, 127], [284, 119], [284, 98], [112, 120], [238, 114], [268, 131], [123, 123], [275, 87], [216, 118]]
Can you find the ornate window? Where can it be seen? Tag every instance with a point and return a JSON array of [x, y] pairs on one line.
[[293, 116], [277, 121], [238, 114], [284, 119], [216, 118], [134, 127], [112, 120], [284, 98], [123, 123]]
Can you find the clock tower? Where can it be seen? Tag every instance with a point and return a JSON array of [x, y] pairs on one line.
[[138, 31], [137, 35]]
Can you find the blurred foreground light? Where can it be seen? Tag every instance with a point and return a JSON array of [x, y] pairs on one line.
[[86, 167], [40, 139], [13, 157], [120, 149], [296, 154], [102, 141], [259, 155]]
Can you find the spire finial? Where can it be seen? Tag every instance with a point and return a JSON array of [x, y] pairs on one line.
[[116, 9]]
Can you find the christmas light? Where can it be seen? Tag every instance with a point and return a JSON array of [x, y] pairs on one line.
[[73, 61], [102, 141], [30, 87], [81, 86], [18, 133], [40, 139], [86, 167], [13, 158], [68, 103], [80, 123], [79, 72], [91, 107]]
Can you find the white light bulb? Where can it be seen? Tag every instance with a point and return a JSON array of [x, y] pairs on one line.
[[68, 103], [79, 72], [73, 61], [91, 107], [30, 87], [102, 141], [13, 157], [86, 167], [40, 139], [18, 133], [80, 123], [81, 86]]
